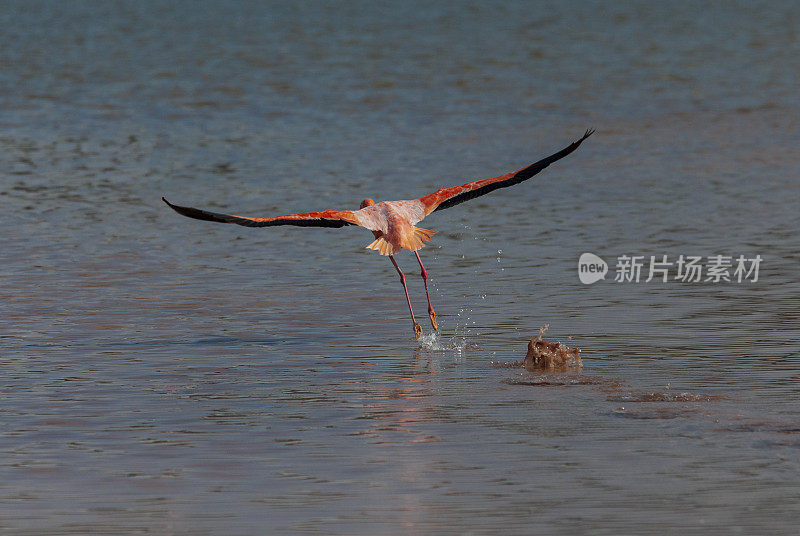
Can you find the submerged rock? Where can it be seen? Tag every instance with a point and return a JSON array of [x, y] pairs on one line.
[[550, 356]]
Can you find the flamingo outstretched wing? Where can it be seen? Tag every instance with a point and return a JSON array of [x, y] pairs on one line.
[[449, 197], [325, 218]]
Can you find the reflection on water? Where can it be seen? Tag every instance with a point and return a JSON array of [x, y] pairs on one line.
[[168, 376]]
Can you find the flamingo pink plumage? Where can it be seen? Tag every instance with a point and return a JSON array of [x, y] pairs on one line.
[[393, 223]]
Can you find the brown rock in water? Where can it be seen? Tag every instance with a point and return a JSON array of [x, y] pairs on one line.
[[550, 356]]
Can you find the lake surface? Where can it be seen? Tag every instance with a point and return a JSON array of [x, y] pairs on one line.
[[161, 375]]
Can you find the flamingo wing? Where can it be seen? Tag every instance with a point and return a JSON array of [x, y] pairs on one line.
[[325, 218], [449, 197]]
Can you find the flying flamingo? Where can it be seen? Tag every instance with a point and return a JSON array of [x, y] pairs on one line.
[[392, 222]]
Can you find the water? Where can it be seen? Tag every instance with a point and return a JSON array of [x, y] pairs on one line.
[[169, 376]]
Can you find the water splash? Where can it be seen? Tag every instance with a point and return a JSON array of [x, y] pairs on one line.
[[457, 340], [431, 341], [434, 341]]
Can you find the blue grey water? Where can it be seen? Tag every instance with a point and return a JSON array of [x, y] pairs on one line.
[[161, 375]]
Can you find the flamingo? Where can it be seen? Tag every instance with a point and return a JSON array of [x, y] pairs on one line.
[[393, 223]]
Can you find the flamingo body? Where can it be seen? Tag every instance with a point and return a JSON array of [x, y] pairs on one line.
[[393, 223]]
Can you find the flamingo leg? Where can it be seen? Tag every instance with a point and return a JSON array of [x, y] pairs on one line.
[[424, 274], [417, 327]]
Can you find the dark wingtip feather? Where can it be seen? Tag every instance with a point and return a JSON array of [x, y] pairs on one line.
[[198, 214], [509, 179]]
